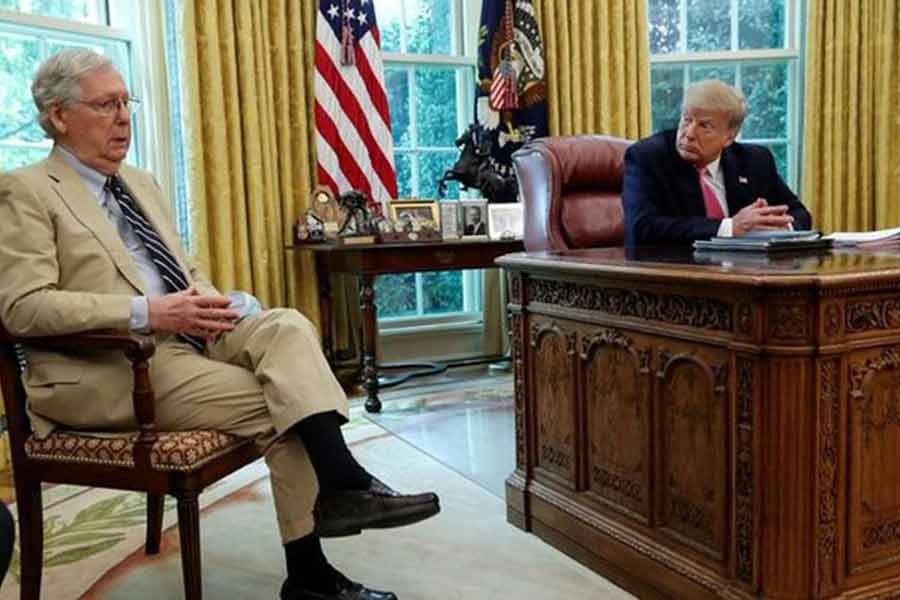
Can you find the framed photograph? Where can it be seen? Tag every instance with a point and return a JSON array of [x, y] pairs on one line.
[[325, 207], [506, 221], [474, 218], [416, 215], [451, 225]]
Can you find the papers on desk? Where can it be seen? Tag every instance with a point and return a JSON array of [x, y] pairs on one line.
[[865, 238], [766, 241]]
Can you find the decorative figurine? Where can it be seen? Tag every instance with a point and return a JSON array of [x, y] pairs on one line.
[[358, 226]]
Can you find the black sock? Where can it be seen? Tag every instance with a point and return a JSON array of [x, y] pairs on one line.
[[335, 467], [307, 566]]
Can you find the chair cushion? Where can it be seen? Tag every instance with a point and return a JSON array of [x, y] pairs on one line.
[[173, 450]]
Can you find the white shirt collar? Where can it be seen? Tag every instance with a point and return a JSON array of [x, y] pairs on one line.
[[714, 168], [94, 179]]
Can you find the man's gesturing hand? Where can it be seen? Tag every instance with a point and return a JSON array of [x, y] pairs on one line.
[[189, 312], [760, 215]]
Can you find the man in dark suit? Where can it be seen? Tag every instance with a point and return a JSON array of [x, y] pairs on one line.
[[474, 224], [697, 182]]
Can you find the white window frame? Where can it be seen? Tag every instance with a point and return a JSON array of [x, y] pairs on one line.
[[790, 54], [464, 57]]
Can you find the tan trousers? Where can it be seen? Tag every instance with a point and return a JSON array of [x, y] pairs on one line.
[[258, 381]]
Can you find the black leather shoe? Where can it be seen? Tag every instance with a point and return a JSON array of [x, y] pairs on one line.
[[348, 512], [346, 590]]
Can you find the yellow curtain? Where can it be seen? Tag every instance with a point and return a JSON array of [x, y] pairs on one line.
[[249, 67], [598, 66], [851, 143]]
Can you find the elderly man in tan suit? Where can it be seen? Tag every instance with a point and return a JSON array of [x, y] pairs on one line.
[[86, 243]]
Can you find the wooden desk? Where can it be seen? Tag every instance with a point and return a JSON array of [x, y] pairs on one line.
[[719, 430], [368, 260]]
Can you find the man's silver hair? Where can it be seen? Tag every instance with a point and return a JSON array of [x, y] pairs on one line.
[[58, 79], [714, 95]]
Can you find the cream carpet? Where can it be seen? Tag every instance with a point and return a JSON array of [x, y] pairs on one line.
[[466, 552]]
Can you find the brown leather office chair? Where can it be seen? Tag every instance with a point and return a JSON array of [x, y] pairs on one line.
[[178, 463], [572, 190]]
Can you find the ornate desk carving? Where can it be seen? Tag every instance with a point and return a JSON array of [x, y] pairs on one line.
[[707, 431]]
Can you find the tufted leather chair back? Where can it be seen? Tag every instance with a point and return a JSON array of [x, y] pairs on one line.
[[572, 190]]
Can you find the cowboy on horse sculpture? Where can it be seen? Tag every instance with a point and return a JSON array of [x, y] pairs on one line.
[[473, 169]]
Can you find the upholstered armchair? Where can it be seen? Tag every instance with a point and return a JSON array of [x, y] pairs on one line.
[[571, 187], [178, 463]]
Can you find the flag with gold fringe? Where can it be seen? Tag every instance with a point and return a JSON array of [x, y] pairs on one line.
[[511, 100]]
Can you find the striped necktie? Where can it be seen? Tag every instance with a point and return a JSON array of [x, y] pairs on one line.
[[710, 200], [172, 274]]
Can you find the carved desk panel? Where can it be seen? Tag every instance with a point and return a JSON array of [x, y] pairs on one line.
[[698, 429]]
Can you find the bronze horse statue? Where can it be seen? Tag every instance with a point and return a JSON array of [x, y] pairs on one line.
[[473, 168]]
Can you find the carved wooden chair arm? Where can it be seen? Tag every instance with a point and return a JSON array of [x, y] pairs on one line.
[[135, 347], [138, 349]]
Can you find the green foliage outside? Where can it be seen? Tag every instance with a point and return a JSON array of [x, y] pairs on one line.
[[761, 25], [428, 147]]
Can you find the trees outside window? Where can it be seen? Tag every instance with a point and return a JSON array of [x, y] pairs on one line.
[[430, 81], [753, 44]]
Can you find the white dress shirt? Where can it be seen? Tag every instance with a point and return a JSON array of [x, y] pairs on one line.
[[715, 179], [246, 304], [153, 283]]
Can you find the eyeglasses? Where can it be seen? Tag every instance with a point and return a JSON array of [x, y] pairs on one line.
[[107, 108]]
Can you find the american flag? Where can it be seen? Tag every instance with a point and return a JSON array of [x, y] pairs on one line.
[[353, 124], [504, 94]]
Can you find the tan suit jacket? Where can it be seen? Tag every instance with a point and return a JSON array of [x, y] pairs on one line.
[[65, 269]]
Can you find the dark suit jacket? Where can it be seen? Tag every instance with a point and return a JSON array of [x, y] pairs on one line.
[[475, 229], [664, 204]]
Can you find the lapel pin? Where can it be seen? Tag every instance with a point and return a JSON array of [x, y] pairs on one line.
[[742, 180]]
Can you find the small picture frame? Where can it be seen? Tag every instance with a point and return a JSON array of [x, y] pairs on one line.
[[506, 221], [451, 225], [325, 207], [416, 215], [474, 219]]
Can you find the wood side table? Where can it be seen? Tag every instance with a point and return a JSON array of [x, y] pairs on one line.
[[366, 261]]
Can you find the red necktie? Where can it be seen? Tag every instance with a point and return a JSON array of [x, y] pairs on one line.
[[713, 208]]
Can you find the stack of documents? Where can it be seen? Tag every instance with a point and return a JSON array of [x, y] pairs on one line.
[[766, 241], [865, 239]]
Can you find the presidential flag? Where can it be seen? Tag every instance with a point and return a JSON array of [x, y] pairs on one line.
[[353, 124], [511, 100]]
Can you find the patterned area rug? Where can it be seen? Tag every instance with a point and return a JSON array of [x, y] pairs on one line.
[[94, 538], [88, 531]]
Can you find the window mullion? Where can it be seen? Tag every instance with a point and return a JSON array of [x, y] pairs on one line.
[[733, 14], [403, 40], [413, 130], [420, 295], [64, 26], [682, 26]]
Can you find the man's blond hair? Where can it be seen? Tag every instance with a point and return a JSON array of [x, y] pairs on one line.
[[715, 95]]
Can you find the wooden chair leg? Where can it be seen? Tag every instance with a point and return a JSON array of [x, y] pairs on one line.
[[189, 535], [31, 536], [154, 522]]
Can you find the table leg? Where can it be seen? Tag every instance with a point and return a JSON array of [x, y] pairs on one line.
[[370, 341], [326, 301]]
